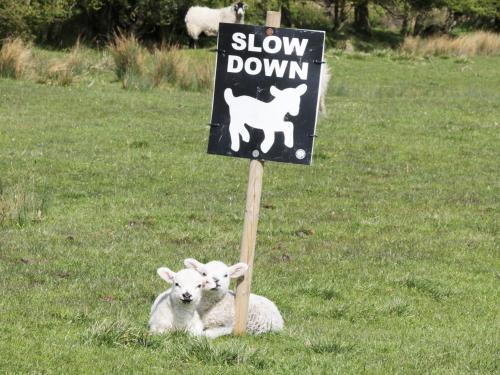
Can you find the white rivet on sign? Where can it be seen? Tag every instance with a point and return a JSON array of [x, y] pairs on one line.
[[300, 154], [255, 153]]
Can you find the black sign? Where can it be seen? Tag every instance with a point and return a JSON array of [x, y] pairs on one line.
[[266, 93]]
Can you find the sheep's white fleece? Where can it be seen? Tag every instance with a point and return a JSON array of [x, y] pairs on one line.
[[216, 307], [263, 315], [206, 20]]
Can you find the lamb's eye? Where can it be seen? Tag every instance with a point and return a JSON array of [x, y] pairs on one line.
[[225, 275], [199, 286], [177, 284], [204, 274]]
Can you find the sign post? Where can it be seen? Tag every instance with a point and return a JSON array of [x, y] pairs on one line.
[[249, 236], [264, 107]]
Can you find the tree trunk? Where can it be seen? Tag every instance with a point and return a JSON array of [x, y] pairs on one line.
[[419, 23], [336, 14], [361, 20], [406, 20]]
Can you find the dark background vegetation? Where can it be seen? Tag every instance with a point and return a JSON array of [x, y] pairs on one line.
[[60, 22]]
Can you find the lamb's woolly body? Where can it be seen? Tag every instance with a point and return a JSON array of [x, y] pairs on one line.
[[218, 318], [166, 316], [216, 307], [206, 20]]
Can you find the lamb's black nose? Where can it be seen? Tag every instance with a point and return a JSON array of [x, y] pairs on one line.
[[216, 280], [186, 295]]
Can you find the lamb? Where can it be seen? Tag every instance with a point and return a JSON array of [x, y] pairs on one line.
[[217, 310], [175, 309], [206, 20]]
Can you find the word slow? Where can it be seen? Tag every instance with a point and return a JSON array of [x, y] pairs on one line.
[[269, 117], [269, 67]]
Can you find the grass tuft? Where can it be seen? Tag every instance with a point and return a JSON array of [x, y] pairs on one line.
[[20, 207], [431, 288], [478, 43], [15, 58], [64, 71], [175, 67], [120, 333], [129, 59]]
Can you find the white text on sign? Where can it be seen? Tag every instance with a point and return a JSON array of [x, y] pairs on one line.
[[271, 67]]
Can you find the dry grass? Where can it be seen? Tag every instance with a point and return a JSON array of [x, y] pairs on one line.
[[64, 71], [15, 58], [129, 61], [478, 43], [19, 207], [176, 68]]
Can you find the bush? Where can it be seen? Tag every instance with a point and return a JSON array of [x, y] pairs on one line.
[[15, 58]]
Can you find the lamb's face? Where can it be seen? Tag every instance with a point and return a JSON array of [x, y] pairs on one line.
[[218, 272], [187, 285]]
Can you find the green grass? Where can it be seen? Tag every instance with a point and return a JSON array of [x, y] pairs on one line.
[[383, 256]]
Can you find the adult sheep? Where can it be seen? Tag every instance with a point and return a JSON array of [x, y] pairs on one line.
[[206, 20], [217, 309]]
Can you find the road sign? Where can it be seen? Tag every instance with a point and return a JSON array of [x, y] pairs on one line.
[[266, 93]]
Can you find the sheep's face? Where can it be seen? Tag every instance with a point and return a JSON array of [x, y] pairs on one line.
[[218, 272], [239, 9], [187, 285]]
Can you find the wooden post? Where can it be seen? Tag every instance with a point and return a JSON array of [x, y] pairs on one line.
[[249, 237]]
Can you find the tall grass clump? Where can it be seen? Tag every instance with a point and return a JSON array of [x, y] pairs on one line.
[[176, 68], [15, 58], [478, 43], [64, 71], [129, 59]]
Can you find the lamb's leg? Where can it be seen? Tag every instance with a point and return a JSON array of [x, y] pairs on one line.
[[213, 333], [268, 141], [288, 133]]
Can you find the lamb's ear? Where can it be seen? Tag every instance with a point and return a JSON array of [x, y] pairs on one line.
[[166, 274], [301, 89], [275, 91], [237, 270], [193, 264]]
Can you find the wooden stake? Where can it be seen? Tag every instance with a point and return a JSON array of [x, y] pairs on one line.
[[249, 237]]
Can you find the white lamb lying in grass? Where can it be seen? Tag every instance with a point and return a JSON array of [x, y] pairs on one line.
[[175, 309], [216, 308]]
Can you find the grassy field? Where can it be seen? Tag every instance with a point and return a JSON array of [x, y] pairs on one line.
[[383, 256]]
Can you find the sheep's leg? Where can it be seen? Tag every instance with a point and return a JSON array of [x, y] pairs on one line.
[[213, 333], [288, 133], [268, 141]]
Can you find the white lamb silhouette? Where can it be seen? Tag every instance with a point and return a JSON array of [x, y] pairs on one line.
[[270, 117]]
